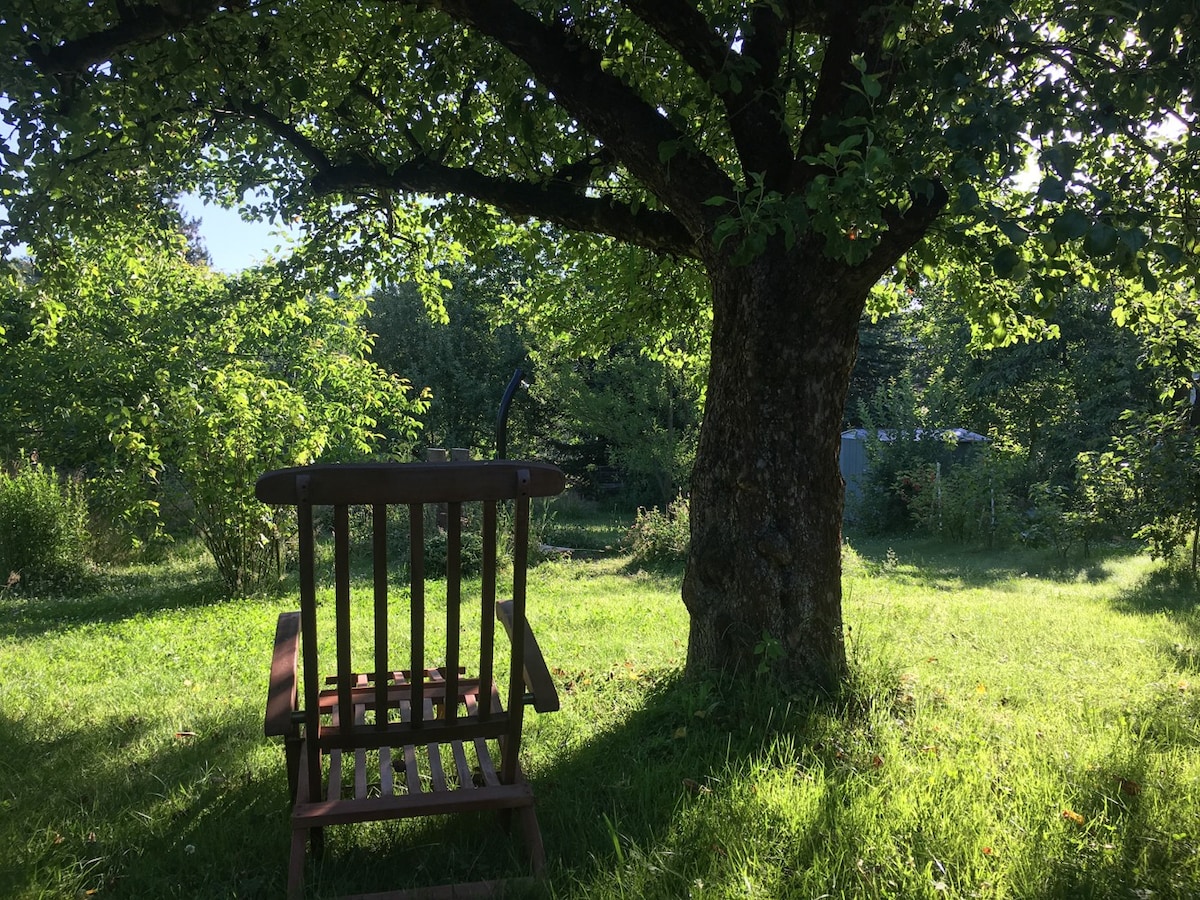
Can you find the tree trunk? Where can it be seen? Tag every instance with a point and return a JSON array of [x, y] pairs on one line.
[[763, 579]]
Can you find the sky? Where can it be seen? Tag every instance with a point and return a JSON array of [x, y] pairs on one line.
[[232, 243]]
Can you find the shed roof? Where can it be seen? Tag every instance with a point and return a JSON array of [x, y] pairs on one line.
[[886, 435]]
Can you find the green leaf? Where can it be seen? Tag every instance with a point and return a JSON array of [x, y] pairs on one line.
[[1071, 225], [849, 143], [1005, 262], [1052, 190], [1014, 232], [968, 198], [1100, 240]]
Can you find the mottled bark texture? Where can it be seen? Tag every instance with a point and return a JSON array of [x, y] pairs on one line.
[[763, 581]]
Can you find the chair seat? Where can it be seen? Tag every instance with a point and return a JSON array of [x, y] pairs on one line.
[[407, 778]]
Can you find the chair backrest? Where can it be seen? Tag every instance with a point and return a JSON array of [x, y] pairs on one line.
[[393, 702]]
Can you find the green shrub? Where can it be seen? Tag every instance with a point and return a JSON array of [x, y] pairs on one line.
[[970, 503], [658, 536], [43, 528]]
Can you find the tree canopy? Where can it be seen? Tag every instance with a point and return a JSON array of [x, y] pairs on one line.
[[675, 127], [756, 168]]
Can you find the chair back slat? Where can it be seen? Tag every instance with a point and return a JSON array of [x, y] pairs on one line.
[[341, 598], [453, 607], [308, 628], [487, 613], [416, 525], [516, 675], [379, 554]]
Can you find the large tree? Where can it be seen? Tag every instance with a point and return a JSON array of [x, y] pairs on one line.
[[763, 163]]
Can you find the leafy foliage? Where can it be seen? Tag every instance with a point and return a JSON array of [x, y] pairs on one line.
[[1159, 457], [185, 386], [971, 503], [43, 528], [660, 536], [623, 409], [1050, 407], [463, 358]]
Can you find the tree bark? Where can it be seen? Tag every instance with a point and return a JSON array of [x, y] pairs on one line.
[[763, 578]]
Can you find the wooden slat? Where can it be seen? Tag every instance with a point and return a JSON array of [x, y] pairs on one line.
[[537, 673], [412, 775], [437, 773], [387, 785], [487, 623], [453, 607], [379, 558], [341, 595], [282, 690], [460, 765], [416, 525], [504, 796], [450, 482], [435, 688], [333, 790], [360, 755], [397, 734], [482, 752], [308, 627], [516, 674]]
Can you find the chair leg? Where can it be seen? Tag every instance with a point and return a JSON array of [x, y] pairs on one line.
[[533, 839], [292, 750], [295, 888]]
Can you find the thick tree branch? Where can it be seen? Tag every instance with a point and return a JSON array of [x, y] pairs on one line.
[[560, 203], [137, 25], [580, 174], [608, 108], [744, 83], [827, 101], [684, 28], [256, 112]]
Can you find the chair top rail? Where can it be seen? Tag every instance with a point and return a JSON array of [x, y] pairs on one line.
[[416, 482]]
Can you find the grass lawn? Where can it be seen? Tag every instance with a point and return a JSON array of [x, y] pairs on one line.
[[1014, 728]]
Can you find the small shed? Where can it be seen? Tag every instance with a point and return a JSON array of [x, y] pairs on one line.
[[854, 461]]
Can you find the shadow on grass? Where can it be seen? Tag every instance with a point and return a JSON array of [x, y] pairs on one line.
[[661, 803], [113, 598], [979, 567], [1172, 593], [124, 807]]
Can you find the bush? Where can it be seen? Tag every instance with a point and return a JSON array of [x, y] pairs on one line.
[[658, 536], [43, 528], [970, 503]]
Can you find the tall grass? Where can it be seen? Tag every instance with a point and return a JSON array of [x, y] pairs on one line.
[[1011, 729]]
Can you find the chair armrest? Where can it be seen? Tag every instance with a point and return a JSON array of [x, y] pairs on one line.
[[537, 674], [281, 695]]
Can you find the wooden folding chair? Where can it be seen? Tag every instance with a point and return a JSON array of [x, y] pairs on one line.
[[375, 740]]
